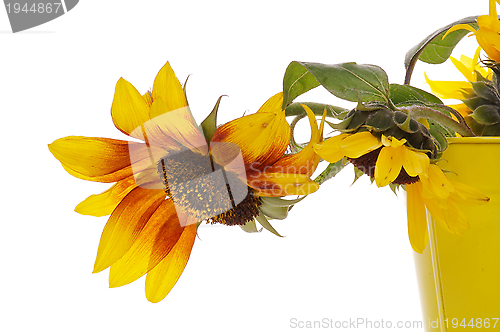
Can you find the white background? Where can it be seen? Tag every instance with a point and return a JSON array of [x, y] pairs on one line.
[[346, 253]]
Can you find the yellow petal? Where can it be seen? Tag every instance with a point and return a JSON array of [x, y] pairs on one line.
[[273, 104], [305, 161], [125, 224], [437, 183], [161, 279], [459, 27], [449, 89], [462, 109], [417, 220], [167, 127], [105, 202], [330, 149], [129, 109], [490, 42], [168, 88], [466, 71], [356, 145], [281, 184], [469, 195], [263, 137], [95, 158], [416, 163], [388, 166], [153, 244]]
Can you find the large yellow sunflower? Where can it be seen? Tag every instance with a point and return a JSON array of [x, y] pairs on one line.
[[164, 184], [389, 160]]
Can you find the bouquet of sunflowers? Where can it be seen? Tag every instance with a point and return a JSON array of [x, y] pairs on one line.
[[173, 174]]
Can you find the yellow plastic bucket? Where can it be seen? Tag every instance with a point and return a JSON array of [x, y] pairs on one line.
[[459, 275]]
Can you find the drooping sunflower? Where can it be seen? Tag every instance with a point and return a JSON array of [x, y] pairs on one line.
[[405, 158], [176, 178]]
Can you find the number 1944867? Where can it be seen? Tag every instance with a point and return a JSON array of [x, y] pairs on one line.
[[35, 8]]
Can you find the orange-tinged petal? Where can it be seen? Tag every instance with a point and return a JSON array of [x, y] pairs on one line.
[[167, 127], [417, 220], [389, 163], [281, 184], [161, 279], [168, 88], [104, 203], [125, 224], [96, 158], [416, 163], [273, 104], [153, 244], [129, 109], [356, 145], [262, 137]]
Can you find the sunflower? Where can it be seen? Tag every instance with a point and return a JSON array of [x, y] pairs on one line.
[[488, 34], [390, 160], [173, 179]]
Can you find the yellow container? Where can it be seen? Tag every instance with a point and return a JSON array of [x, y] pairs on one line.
[[459, 275]]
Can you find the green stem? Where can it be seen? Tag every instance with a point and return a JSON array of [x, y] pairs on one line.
[[418, 111]]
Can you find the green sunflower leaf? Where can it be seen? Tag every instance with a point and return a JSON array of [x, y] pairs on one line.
[[434, 49], [295, 109], [349, 81], [403, 94]]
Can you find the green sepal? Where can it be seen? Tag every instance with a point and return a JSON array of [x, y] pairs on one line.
[[261, 218], [380, 120], [330, 171], [487, 114], [209, 125], [250, 227], [274, 212], [406, 123], [475, 102], [492, 130], [357, 174], [485, 90], [394, 187]]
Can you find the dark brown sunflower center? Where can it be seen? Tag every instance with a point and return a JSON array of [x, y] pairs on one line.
[[203, 188], [366, 164]]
